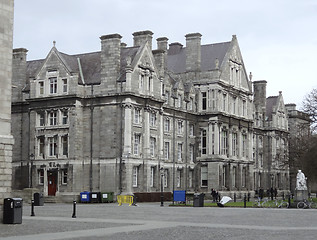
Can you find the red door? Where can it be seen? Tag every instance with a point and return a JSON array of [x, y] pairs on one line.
[[52, 183]]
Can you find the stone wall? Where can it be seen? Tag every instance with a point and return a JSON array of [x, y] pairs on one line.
[[6, 139]]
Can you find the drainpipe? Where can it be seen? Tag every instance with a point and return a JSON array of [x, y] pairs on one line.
[[91, 136]]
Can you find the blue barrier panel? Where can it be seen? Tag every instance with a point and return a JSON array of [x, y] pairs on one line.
[[179, 196]]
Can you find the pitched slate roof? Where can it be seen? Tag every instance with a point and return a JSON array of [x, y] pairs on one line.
[[270, 104], [90, 64], [176, 61]]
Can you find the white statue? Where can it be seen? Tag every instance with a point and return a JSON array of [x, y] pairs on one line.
[[301, 181]]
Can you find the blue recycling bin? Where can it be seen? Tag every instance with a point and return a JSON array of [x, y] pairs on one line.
[[85, 197], [179, 196]]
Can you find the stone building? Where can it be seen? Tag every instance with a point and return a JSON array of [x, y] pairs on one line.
[[6, 139], [123, 118]]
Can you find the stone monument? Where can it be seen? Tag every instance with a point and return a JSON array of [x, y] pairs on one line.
[[6, 139], [301, 191]]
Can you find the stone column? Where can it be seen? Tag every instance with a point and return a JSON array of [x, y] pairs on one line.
[[127, 129], [217, 129], [6, 139]]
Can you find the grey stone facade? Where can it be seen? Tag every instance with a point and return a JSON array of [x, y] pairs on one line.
[[121, 119], [6, 139]]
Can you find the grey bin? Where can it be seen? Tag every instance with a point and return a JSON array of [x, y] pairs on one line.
[[38, 199], [198, 199], [12, 210]]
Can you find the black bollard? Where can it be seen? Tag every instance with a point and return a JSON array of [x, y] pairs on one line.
[[32, 208], [289, 201], [245, 201], [74, 209], [234, 197]]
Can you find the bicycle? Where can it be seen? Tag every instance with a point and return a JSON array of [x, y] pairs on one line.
[[257, 203], [266, 203], [280, 204], [306, 204]]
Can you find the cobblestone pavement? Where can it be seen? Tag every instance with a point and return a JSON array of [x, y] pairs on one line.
[[150, 221]]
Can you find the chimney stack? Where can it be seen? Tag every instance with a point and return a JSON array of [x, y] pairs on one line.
[[110, 60], [259, 90], [193, 52], [142, 37], [18, 73]]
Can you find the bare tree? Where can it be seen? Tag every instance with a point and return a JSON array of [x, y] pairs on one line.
[[310, 107]]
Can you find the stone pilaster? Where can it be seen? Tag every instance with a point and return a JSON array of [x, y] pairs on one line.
[[127, 129], [6, 139]]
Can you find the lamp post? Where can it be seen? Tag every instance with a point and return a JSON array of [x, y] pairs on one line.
[[162, 195], [272, 190], [30, 170]]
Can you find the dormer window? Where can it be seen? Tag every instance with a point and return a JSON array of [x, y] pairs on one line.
[[41, 87], [65, 85], [53, 85]]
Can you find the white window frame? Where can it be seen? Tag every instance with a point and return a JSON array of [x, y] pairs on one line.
[[136, 143], [152, 146], [166, 150], [179, 152], [204, 176], [135, 171], [152, 176], [53, 85]]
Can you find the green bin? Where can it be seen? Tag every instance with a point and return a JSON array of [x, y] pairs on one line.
[[106, 197]]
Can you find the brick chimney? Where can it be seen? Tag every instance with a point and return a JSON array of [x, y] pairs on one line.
[[142, 37], [110, 60], [18, 73], [193, 52]]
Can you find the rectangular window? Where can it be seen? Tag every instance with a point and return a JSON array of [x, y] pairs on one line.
[[178, 178], [180, 101], [224, 142], [234, 144], [65, 85], [204, 101], [191, 130], [65, 117], [52, 142], [244, 145], [165, 177], [152, 177], [191, 153], [190, 179], [152, 119], [141, 83], [65, 145], [224, 102], [234, 175], [179, 151], [152, 146], [41, 146], [167, 97], [244, 111], [166, 150], [41, 87], [53, 85], [137, 114], [42, 119], [244, 177], [41, 176], [203, 142], [204, 176], [167, 125], [136, 146], [135, 176], [180, 127], [53, 118], [64, 176], [190, 104]]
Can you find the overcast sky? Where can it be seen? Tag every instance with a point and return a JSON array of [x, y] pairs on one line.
[[278, 38]]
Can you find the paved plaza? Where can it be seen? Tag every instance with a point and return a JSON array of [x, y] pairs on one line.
[[149, 221]]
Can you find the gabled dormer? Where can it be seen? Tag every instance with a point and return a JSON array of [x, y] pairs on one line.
[[53, 77], [143, 78], [276, 113], [232, 68]]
